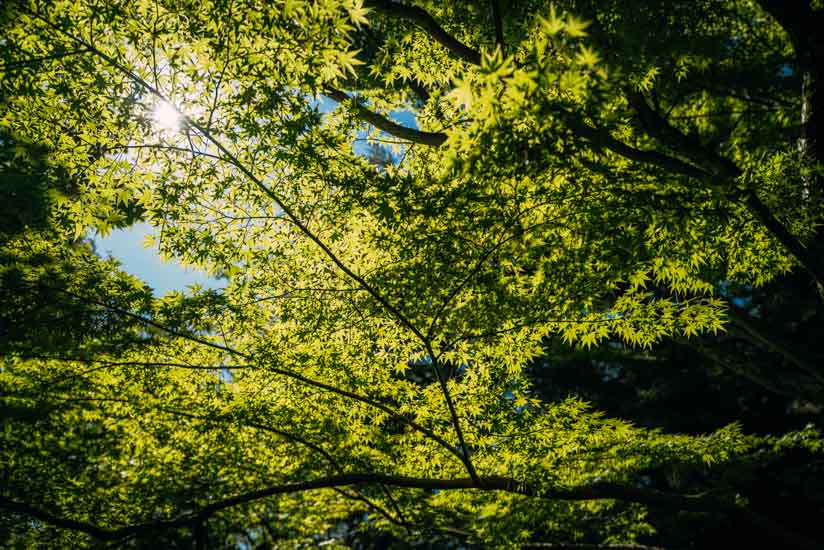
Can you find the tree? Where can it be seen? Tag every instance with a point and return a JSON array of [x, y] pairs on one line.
[[374, 363]]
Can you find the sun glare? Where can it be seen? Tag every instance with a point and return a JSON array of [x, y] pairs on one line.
[[166, 117]]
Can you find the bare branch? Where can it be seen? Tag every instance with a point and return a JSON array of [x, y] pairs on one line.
[[740, 370], [584, 546], [695, 503], [422, 18], [383, 123], [657, 126], [603, 139], [499, 25], [757, 333]]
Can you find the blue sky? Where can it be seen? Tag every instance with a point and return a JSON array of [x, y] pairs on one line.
[[145, 263]]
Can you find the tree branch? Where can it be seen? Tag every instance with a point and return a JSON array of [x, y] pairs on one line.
[[660, 128], [716, 165], [419, 90], [106, 363], [499, 25], [421, 18], [603, 139], [152, 323], [803, 25], [453, 413], [378, 405], [760, 335], [459, 453], [66, 523], [742, 371], [695, 503], [12, 65], [584, 546], [253, 179], [790, 17], [295, 438], [383, 123]]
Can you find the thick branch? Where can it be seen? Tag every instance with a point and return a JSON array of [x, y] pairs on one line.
[[499, 25], [658, 127], [603, 139], [419, 90], [383, 123], [422, 19], [695, 503], [584, 546], [65, 523], [811, 260]]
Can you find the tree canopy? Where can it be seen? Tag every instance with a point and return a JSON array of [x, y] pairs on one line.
[[476, 330]]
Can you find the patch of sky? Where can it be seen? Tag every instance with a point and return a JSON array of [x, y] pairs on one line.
[[739, 295], [126, 245]]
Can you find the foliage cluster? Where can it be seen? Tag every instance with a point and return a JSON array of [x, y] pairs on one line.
[[596, 184]]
